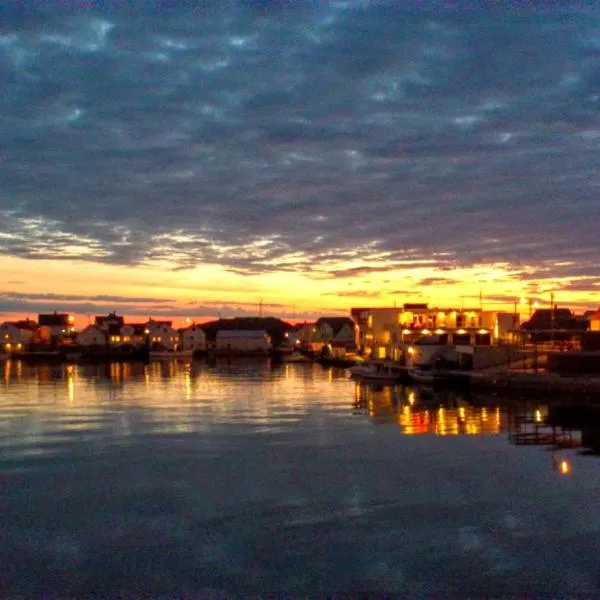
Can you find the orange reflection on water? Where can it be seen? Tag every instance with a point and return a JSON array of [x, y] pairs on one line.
[[417, 411], [564, 467]]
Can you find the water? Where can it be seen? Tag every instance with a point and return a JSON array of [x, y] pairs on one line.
[[246, 479]]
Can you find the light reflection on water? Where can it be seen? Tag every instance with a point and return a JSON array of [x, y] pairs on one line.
[[250, 478]]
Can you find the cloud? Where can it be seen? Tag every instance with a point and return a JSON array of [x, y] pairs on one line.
[[354, 294], [427, 281], [275, 136]]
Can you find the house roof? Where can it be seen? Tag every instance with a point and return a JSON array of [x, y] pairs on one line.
[[110, 318], [153, 322], [54, 320], [336, 323], [25, 325], [191, 328]]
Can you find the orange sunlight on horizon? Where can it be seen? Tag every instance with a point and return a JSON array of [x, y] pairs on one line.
[[86, 288]]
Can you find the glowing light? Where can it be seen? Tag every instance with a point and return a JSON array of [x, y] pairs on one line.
[[411, 350], [564, 467], [405, 331], [71, 319], [483, 331], [425, 331], [461, 332], [439, 331]]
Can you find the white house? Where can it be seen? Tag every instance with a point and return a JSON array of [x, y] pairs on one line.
[[337, 331], [193, 338], [15, 335], [242, 341], [161, 335], [92, 335]]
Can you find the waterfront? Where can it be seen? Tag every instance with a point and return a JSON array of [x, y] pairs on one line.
[[133, 480]]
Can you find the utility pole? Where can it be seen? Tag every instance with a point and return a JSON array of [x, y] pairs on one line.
[[260, 308]]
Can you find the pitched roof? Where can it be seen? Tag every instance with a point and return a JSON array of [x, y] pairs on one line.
[[54, 320], [110, 318], [336, 323], [27, 324]]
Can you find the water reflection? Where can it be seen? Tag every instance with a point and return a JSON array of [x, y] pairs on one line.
[[241, 478], [420, 410], [559, 425]]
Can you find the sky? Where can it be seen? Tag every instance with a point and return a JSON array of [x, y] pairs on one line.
[[297, 158]]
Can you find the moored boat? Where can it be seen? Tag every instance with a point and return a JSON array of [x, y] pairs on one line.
[[295, 357], [422, 375], [377, 371], [168, 354]]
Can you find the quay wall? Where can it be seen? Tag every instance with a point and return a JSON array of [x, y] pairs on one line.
[[573, 363]]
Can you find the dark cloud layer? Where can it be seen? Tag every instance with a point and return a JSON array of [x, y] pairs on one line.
[[276, 135]]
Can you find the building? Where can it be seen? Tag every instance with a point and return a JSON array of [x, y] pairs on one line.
[[55, 327], [104, 322], [162, 336], [135, 334], [242, 341], [16, 335], [337, 332], [92, 335], [594, 320], [193, 338], [386, 332]]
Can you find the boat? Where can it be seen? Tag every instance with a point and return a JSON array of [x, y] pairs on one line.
[[377, 371], [169, 354], [422, 375], [295, 357]]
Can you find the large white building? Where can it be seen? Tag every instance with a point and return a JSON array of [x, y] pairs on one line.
[[242, 341], [386, 332]]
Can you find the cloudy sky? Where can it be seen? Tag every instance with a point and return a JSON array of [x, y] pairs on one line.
[[312, 155]]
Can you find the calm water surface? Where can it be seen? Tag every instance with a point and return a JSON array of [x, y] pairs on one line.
[[244, 479]]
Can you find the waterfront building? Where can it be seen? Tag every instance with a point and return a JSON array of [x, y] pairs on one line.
[[298, 334], [92, 335], [55, 327], [112, 319], [15, 335], [134, 334], [162, 336], [386, 332], [193, 338], [242, 341], [337, 332], [594, 320]]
